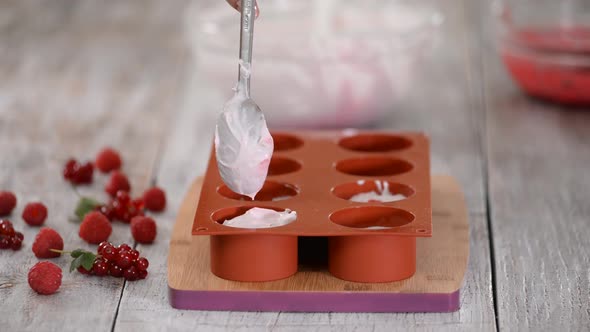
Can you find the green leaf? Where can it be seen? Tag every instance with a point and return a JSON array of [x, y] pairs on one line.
[[85, 205], [84, 259], [75, 264], [87, 260], [77, 253]]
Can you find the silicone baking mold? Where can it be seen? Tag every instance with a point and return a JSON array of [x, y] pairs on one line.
[[315, 173]]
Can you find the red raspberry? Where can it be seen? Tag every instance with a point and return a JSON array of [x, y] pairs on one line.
[[47, 239], [143, 229], [35, 214], [45, 278], [95, 228], [108, 160], [154, 199], [117, 181], [7, 202]]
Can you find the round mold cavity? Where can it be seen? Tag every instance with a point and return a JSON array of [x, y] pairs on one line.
[[282, 165], [375, 143], [372, 217], [220, 216], [271, 191], [373, 166], [285, 142], [349, 190]]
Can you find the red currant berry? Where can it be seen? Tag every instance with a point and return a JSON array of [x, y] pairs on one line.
[[108, 211], [115, 270], [110, 253], [123, 197], [6, 228], [142, 274], [138, 203], [100, 267], [16, 243], [142, 264], [70, 169], [19, 235], [124, 246], [124, 260], [130, 273], [134, 254], [83, 174], [82, 270], [5, 242], [102, 246]]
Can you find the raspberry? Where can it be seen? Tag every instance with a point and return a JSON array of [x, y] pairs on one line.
[[117, 181], [108, 160], [45, 278], [95, 228], [47, 239], [143, 229], [7, 202], [35, 214], [154, 199]]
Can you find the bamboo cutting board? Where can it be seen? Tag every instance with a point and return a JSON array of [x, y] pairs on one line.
[[435, 287]]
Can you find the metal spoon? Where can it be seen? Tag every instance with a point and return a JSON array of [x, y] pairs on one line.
[[243, 144]]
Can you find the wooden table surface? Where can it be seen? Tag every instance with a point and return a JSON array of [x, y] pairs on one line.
[[76, 75]]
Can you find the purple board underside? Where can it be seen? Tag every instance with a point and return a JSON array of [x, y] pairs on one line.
[[313, 301]]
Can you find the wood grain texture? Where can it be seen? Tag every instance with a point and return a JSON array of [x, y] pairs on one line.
[[80, 74], [539, 192], [76, 77], [440, 263]]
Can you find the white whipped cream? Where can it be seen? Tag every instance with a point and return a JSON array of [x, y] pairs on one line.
[[243, 144], [262, 218], [382, 194]]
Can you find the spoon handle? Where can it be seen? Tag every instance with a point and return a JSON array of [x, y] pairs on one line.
[[246, 39]]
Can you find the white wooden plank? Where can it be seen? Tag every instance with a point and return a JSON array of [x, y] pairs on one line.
[[76, 75], [538, 173]]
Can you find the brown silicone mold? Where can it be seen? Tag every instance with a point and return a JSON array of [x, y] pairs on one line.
[[315, 173]]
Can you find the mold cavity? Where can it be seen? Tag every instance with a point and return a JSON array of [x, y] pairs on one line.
[[284, 142], [280, 165], [372, 217], [271, 191], [375, 143], [254, 217], [372, 191], [373, 166]]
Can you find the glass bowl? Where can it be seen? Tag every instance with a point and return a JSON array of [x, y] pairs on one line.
[[545, 45], [318, 63]]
